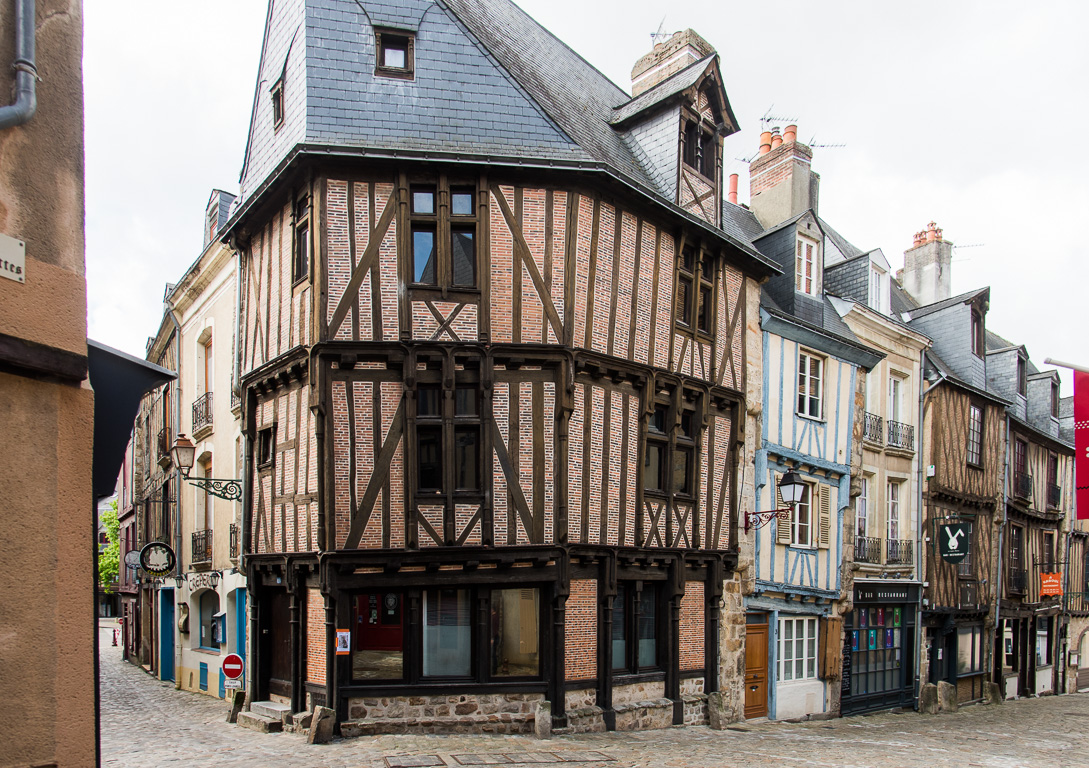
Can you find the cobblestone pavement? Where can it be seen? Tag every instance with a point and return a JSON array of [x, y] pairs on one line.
[[148, 723]]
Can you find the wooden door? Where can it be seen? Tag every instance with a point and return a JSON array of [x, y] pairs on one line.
[[276, 637], [756, 670]]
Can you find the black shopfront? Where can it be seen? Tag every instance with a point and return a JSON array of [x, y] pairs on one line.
[[879, 648]]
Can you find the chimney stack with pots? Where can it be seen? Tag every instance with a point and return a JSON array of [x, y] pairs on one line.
[[667, 59], [926, 274], [732, 196], [781, 179]]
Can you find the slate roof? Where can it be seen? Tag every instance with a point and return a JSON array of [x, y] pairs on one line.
[[671, 86], [963, 298], [740, 223], [848, 249], [947, 373]]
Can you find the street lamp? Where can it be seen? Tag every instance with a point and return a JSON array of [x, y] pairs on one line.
[[791, 488], [183, 454]]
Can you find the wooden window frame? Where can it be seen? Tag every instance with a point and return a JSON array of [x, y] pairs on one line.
[[803, 389], [696, 268], [807, 256], [394, 39], [682, 406], [862, 507], [276, 95], [302, 242], [265, 447], [449, 423], [444, 223], [1022, 375], [974, 448], [978, 343], [631, 593], [893, 499], [806, 504]]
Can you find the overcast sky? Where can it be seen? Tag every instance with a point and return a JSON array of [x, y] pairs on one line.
[[964, 113]]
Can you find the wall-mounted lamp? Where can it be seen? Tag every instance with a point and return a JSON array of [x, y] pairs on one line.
[[791, 488], [183, 453]]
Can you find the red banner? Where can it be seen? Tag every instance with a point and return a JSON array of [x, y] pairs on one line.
[[1081, 443], [1051, 584]]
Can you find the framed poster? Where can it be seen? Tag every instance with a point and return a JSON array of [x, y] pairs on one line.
[[896, 617], [873, 640], [854, 640], [862, 618], [889, 640]]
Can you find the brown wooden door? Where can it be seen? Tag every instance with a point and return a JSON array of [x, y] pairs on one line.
[[756, 670], [278, 645]]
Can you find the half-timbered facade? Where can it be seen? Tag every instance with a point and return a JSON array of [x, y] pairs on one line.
[[1076, 585], [813, 369], [494, 378], [1038, 501]]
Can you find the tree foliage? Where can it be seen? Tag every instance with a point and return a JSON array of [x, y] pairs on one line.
[[109, 558]]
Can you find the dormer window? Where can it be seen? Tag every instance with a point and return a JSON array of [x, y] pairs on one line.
[[977, 334], [699, 149], [879, 289], [278, 103], [805, 269], [1022, 376], [395, 53], [1055, 400]]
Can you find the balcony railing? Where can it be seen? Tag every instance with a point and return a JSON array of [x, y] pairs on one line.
[[900, 552], [202, 412], [1022, 484], [1054, 496], [872, 428], [236, 541], [867, 550], [202, 546], [901, 436], [1016, 580]]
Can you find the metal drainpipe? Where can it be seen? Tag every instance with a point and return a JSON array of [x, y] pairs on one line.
[[26, 72], [920, 640], [999, 582], [177, 473]]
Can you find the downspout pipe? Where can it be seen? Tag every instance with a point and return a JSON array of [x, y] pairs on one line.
[[176, 425], [26, 72]]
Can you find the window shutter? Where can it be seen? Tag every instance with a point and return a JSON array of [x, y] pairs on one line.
[[782, 526], [824, 517], [831, 648]]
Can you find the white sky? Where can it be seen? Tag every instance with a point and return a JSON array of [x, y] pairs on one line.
[[965, 113]]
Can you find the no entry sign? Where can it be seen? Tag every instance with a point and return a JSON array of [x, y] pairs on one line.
[[233, 666]]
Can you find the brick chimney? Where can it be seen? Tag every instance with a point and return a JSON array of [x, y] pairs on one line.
[[667, 59], [926, 274], [781, 181]]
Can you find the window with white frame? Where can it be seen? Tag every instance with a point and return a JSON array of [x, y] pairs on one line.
[[975, 435], [892, 499], [862, 508], [810, 381], [879, 289], [797, 649], [801, 526], [896, 398], [806, 263]]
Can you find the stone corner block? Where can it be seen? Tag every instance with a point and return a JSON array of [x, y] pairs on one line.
[[947, 696], [237, 700], [992, 693], [928, 700], [542, 722], [718, 711], [321, 726]]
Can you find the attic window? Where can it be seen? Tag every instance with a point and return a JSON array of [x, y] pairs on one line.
[[278, 103], [395, 53], [977, 333], [1022, 376], [1055, 400]]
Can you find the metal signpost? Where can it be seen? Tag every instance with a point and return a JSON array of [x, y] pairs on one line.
[[233, 667]]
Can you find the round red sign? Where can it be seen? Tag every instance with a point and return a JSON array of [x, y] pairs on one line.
[[233, 666]]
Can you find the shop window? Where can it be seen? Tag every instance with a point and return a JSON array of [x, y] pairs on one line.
[[447, 633], [969, 650], [209, 633], [443, 246], [810, 385], [515, 632], [797, 649], [378, 645], [1043, 642], [635, 627]]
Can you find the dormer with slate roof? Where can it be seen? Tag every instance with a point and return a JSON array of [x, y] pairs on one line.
[[677, 120], [796, 245], [957, 327], [216, 213], [866, 278]]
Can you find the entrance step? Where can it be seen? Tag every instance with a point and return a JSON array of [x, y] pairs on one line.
[[260, 723], [272, 709]]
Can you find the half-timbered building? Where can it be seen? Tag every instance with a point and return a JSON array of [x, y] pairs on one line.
[[1039, 495], [1076, 584], [496, 374], [813, 368]]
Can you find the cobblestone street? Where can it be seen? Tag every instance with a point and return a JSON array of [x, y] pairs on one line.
[[148, 723]]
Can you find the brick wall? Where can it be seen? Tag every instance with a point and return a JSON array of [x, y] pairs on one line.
[[580, 654], [692, 655], [315, 637]]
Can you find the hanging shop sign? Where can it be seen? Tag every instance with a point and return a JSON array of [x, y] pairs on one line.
[[1051, 584], [954, 541], [157, 558]]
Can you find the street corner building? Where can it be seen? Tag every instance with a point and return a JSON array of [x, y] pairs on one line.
[[498, 354]]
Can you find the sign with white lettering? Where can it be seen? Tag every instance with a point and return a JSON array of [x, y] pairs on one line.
[[954, 541], [12, 259]]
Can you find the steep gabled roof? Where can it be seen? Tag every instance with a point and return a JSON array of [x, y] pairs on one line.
[[740, 222], [937, 306], [848, 249], [675, 86]]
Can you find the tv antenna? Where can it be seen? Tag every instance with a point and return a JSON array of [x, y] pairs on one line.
[[768, 117], [813, 143], [661, 35]]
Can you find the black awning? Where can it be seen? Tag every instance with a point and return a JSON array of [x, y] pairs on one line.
[[119, 381]]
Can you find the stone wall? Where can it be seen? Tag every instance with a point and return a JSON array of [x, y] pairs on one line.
[[485, 713]]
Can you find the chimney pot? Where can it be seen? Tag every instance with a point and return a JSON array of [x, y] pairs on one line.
[[776, 139], [732, 196], [930, 235], [790, 134], [765, 142]]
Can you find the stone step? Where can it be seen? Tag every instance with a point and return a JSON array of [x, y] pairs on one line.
[[260, 723], [272, 709]]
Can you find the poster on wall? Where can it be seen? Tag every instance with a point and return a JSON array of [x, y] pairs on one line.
[[344, 642], [889, 639], [873, 640]]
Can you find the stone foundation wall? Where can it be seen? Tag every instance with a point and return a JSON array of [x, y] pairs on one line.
[[578, 699], [732, 648], [691, 686], [483, 713], [644, 715], [639, 692], [695, 708]]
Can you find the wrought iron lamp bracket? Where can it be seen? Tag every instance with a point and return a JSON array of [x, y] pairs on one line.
[[754, 520], [231, 490]]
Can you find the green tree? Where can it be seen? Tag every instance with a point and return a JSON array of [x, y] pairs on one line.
[[109, 558]]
